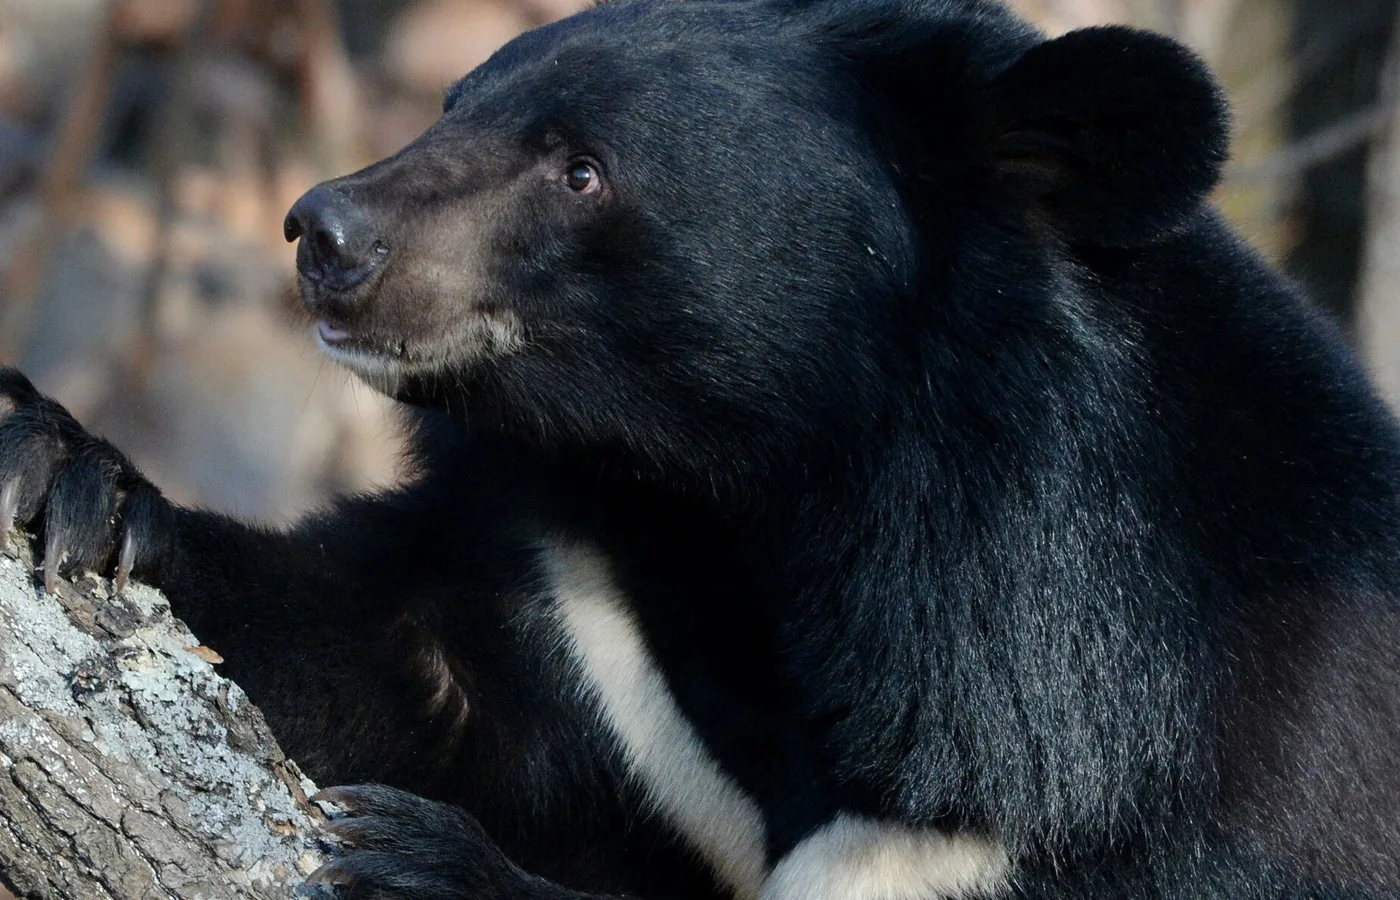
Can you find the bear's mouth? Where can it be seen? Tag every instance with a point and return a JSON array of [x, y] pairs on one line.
[[364, 354], [384, 362], [332, 333], [332, 336]]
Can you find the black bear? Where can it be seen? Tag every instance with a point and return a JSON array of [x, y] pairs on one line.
[[851, 462]]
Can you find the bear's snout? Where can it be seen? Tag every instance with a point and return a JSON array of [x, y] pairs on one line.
[[340, 244]]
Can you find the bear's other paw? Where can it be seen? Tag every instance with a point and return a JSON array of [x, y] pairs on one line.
[[394, 845]]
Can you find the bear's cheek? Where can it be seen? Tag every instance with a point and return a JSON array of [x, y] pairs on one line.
[[445, 313], [468, 280]]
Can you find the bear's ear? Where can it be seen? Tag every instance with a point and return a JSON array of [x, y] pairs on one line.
[[1116, 135]]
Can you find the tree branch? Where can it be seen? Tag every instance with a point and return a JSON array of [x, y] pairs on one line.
[[129, 769]]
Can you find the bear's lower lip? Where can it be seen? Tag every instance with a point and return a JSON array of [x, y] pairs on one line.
[[358, 351], [331, 333]]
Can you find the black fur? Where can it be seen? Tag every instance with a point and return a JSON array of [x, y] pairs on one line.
[[961, 469]]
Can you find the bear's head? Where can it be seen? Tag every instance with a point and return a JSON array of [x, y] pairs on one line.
[[711, 234]]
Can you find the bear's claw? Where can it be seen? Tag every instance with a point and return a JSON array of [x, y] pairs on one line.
[[126, 557], [9, 505]]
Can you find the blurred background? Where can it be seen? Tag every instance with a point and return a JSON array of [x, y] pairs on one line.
[[150, 148]]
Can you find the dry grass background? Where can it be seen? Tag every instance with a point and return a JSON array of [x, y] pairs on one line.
[[149, 149]]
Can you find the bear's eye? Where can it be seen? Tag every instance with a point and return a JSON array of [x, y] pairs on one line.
[[582, 177]]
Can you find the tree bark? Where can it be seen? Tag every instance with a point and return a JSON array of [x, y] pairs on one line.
[[129, 769]]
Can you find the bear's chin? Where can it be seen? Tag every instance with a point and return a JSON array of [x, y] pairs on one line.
[[381, 372], [393, 367]]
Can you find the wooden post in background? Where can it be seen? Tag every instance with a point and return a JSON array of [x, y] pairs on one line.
[[1378, 301]]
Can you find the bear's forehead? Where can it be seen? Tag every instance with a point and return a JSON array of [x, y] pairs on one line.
[[635, 61], [658, 39], [664, 40], [671, 66]]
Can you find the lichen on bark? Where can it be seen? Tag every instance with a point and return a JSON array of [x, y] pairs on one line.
[[129, 768]]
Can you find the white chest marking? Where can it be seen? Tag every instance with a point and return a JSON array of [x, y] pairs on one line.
[[854, 858], [851, 858], [682, 780]]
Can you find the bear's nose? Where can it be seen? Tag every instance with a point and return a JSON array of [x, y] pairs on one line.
[[340, 245]]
